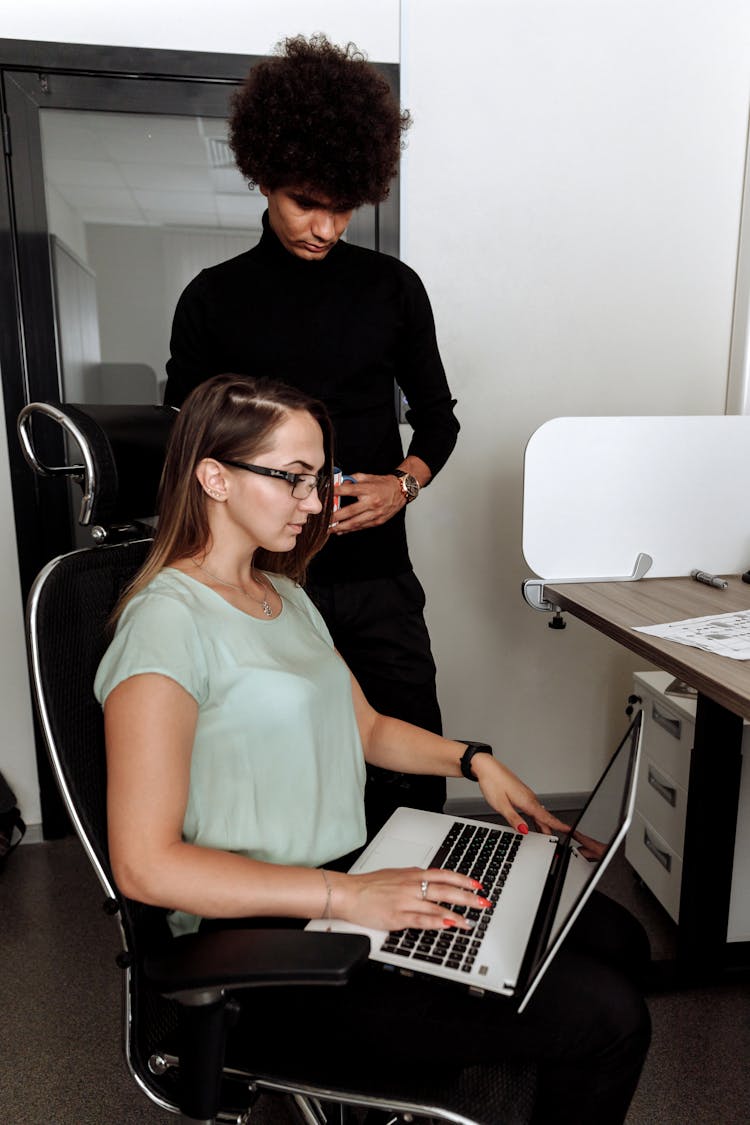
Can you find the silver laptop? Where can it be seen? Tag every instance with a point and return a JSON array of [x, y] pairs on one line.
[[537, 885]]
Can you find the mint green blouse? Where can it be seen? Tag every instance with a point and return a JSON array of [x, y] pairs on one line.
[[277, 769]]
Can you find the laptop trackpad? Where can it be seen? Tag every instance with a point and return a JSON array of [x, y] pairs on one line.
[[393, 852]]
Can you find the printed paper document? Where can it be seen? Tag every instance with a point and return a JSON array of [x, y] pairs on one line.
[[726, 634]]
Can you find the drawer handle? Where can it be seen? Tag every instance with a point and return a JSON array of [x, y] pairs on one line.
[[668, 792], [664, 858], [670, 725]]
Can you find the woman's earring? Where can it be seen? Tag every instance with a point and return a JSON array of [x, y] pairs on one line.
[[212, 492]]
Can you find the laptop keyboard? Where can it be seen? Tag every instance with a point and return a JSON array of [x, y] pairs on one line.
[[485, 854]]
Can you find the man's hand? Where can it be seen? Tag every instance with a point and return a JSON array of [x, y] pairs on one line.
[[377, 499]]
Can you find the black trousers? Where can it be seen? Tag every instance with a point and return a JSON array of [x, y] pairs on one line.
[[378, 627], [586, 1027]]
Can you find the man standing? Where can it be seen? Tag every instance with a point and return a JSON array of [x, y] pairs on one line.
[[318, 130]]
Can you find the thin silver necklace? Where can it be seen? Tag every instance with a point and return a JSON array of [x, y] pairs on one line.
[[268, 612]]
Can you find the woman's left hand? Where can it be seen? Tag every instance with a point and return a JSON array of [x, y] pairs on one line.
[[512, 799]]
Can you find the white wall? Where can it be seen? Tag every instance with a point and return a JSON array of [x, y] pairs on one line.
[[573, 184], [135, 321], [17, 755], [738, 388], [231, 26], [63, 221]]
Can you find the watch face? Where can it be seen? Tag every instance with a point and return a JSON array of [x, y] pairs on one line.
[[411, 487], [409, 484]]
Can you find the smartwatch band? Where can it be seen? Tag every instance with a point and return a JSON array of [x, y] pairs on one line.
[[472, 748]]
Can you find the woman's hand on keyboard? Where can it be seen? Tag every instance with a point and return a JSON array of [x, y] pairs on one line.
[[392, 899], [511, 798]]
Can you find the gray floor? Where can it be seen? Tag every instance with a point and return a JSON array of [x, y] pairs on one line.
[[60, 1060]]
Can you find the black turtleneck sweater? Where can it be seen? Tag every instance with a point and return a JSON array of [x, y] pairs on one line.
[[343, 329]]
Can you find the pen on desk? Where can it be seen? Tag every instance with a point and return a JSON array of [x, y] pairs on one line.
[[709, 579]]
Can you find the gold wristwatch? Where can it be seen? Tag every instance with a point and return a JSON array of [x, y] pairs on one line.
[[409, 484]]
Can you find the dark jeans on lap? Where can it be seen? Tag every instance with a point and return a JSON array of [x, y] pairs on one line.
[[587, 1026], [378, 627]]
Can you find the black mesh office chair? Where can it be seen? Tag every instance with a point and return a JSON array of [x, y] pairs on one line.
[[180, 994]]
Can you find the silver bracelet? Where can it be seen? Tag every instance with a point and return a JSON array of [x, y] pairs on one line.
[[327, 911]]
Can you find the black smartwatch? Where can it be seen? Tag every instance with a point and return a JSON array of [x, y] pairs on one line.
[[472, 748]]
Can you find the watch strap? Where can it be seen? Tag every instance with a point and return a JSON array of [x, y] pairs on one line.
[[472, 748]]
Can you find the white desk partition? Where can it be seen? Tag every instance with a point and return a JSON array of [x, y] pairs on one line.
[[598, 492]]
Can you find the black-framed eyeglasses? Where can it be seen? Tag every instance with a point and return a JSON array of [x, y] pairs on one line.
[[303, 484]]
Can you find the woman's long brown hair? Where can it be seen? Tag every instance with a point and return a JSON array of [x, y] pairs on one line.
[[229, 418]]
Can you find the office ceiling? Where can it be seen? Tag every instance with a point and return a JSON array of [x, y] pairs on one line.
[[146, 170]]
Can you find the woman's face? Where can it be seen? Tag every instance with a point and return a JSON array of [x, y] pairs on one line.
[[263, 507]]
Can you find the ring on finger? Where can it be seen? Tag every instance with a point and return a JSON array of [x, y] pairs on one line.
[[423, 887]]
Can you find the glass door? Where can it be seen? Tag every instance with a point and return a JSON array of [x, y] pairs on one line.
[[136, 205]]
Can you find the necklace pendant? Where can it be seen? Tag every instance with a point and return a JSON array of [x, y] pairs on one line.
[[267, 609]]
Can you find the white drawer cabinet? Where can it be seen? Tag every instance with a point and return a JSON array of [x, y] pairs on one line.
[[669, 727], [662, 803], [655, 841], [657, 864]]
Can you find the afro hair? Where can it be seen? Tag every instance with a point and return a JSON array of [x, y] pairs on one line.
[[318, 116]]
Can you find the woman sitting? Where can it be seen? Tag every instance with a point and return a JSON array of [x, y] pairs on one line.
[[236, 749]]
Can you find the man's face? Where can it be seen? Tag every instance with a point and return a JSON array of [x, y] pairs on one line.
[[307, 223]]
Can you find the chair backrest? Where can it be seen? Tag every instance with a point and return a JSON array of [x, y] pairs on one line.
[[124, 383], [121, 450], [68, 630], [67, 624], [67, 619]]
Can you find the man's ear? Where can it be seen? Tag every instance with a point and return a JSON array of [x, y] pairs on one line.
[[212, 477], [264, 190]]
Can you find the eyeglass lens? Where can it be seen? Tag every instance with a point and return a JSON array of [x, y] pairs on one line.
[[303, 487]]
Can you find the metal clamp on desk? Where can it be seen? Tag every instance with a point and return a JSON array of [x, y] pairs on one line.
[[533, 588]]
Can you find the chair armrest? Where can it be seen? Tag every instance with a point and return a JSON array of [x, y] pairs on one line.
[[253, 959]]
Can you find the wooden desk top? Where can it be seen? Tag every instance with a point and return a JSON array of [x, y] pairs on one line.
[[614, 608]]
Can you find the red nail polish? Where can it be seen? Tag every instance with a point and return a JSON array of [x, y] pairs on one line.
[[523, 829], [448, 923], [476, 885], [483, 901]]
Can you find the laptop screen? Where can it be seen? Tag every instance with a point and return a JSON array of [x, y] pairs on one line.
[[595, 834]]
